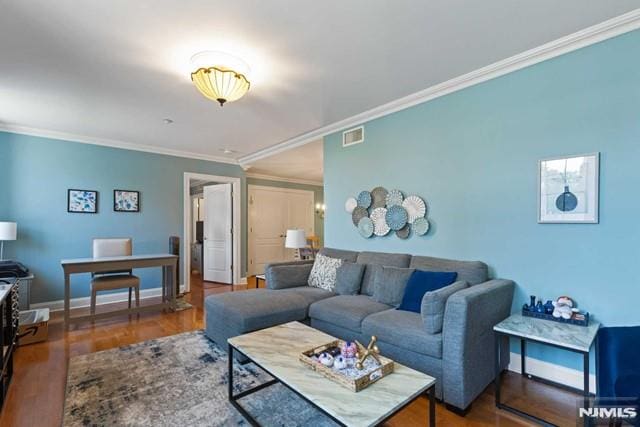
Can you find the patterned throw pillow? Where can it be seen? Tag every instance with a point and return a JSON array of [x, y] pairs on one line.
[[323, 273]]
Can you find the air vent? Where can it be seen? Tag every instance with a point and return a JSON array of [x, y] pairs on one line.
[[353, 136]]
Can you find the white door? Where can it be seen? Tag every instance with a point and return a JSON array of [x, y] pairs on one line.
[[218, 246], [272, 211]]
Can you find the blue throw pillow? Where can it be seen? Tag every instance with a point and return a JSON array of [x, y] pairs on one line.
[[422, 282]]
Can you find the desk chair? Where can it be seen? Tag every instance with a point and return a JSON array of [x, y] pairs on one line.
[[109, 280]]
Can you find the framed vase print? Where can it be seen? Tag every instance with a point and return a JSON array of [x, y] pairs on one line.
[[126, 201], [568, 189], [82, 201]]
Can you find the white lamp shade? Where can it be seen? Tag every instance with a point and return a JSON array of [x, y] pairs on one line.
[[8, 230], [295, 239]]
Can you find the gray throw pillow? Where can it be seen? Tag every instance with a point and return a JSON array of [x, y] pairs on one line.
[[433, 305], [389, 284], [349, 278]]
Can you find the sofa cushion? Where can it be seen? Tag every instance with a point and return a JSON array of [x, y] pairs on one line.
[[309, 293], [434, 303], [420, 283], [379, 258], [323, 272], [287, 276], [403, 329], [389, 284], [253, 310], [348, 256], [473, 272], [349, 278], [347, 311]]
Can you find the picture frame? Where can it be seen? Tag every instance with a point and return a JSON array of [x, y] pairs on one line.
[[568, 189], [126, 201], [82, 201]]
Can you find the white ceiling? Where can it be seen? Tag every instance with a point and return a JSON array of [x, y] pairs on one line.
[[112, 70], [303, 163]]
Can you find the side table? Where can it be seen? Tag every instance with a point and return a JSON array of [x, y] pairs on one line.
[[577, 339], [260, 277]]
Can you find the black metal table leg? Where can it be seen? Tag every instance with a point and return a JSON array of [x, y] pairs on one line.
[[230, 381], [432, 406], [497, 368], [523, 357]]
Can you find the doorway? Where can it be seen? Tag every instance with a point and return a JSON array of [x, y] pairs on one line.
[[211, 243]]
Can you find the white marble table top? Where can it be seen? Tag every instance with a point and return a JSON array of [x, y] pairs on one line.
[[277, 349], [561, 334]]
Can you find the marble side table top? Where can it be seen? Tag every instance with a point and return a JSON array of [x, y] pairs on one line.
[[564, 335], [277, 349]]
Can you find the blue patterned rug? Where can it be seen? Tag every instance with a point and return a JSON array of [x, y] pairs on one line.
[[174, 381]]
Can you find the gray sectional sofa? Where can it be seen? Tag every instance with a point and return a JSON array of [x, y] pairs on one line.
[[460, 357]]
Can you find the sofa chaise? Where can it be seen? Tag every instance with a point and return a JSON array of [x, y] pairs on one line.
[[460, 357]]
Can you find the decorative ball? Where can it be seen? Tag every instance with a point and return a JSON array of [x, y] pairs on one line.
[[349, 350], [326, 359], [339, 362]]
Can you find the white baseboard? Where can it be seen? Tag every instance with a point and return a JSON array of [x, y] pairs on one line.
[[553, 372], [101, 299]]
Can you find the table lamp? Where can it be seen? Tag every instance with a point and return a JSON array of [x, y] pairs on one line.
[[295, 240], [8, 231]]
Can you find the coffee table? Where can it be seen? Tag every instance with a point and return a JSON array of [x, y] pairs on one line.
[[276, 351]]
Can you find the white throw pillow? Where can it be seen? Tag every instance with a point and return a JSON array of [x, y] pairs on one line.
[[323, 272]]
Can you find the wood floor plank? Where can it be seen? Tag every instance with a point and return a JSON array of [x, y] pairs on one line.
[[36, 394]]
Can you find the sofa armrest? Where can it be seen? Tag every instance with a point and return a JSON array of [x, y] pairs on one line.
[[468, 363], [287, 274]]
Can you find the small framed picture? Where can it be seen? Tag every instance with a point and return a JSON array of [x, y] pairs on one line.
[[126, 201], [82, 201], [568, 189]]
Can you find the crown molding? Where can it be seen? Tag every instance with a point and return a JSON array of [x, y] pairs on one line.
[[280, 179], [43, 133], [591, 35]]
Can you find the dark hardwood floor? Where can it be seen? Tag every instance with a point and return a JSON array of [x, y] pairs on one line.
[[36, 394]]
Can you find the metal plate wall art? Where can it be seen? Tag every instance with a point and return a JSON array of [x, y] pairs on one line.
[[378, 212], [364, 199], [350, 204], [396, 217], [394, 197], [415, 206], [380, 226], [379, 197], [357, 214], [421, 226], [365, 227]]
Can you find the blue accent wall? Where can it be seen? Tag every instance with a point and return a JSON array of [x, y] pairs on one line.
[[473, 156], [36, 173]]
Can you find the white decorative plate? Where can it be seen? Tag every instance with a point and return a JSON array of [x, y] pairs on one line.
[[350, 204], [380, 226], [421, 226], [415, 207], [394, 197]]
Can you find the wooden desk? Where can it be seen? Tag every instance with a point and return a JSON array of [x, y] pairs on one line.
[[167, 262]]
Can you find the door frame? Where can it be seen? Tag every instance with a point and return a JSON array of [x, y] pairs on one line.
[[250, 189], [236, 197]]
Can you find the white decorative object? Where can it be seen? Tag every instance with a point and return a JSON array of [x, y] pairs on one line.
[[415, 206], [8, 231], [350, 204], [295, 239], [380, 226], [568, 189], [323, 272]]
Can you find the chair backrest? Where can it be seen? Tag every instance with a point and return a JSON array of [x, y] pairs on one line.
[[618, 362], [104, 248]]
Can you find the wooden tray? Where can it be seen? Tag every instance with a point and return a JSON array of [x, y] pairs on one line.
[[355, 384]]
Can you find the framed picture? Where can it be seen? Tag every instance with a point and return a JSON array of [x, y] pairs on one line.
[[82, 201], [126, 201], [568, 189]]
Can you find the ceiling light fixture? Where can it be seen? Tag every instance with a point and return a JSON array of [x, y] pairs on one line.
[[219, 76], [167, 121]]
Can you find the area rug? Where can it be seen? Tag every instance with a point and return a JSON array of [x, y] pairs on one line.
[[175, 381]]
